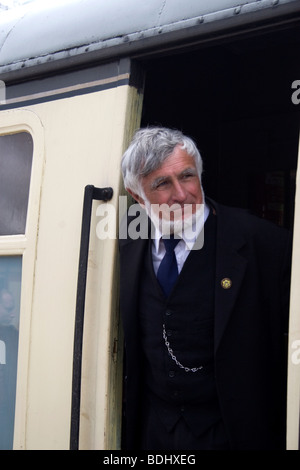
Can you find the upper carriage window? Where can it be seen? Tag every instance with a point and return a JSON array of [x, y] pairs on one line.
[[15, 170]]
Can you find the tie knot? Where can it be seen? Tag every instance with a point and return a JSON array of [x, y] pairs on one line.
[[170, 243]]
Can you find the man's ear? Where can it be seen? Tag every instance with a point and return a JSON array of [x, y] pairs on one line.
[[136, 196]]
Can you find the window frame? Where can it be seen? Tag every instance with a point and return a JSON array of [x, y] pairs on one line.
[[13, 122]]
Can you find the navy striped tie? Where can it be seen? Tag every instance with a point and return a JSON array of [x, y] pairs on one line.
[[168, 270]]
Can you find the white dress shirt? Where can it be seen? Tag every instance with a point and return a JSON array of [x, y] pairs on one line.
[[182, 249]]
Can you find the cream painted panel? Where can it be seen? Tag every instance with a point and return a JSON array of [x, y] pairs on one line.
[[293, 408], [84, 139]]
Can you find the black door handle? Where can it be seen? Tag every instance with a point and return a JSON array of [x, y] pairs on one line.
[[91, 193]]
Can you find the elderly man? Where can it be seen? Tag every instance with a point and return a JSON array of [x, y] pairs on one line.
[[204, 322]]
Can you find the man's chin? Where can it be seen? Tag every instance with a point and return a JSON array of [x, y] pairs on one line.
[[172, 227], [175, 220]]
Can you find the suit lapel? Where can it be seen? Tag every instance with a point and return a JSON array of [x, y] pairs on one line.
[[230, 270]]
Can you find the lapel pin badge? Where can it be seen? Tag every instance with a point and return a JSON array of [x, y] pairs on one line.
[[226, 283]]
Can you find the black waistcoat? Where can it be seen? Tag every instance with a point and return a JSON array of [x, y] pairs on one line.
[[188, 316]]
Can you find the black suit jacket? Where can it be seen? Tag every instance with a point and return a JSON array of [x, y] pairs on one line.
[[251, 318]]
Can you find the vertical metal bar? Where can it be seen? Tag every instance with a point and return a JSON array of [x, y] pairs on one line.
[[90, 193]]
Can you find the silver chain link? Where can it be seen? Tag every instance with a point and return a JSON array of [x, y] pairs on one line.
[[170, 351]]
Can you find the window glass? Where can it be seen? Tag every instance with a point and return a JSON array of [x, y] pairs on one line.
[[15, 170], [10, 288]]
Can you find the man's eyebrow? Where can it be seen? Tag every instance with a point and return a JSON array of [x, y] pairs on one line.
[[163, 179], [189, 171]]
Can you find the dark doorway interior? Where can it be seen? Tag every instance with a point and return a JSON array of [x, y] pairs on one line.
[[235, 99]]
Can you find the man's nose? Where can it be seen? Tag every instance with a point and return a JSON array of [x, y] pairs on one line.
[[179, 193]]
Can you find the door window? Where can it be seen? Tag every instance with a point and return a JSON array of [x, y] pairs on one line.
[[15, 171]]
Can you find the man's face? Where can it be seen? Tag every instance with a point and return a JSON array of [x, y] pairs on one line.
[[175, 184]]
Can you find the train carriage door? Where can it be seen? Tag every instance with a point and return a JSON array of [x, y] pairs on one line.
[[87, 151], [102, 354]]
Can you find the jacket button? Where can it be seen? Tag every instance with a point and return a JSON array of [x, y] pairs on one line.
[[171, 373], [226, 283], [169, 312]]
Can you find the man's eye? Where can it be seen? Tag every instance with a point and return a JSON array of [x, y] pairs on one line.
[[161, 185]]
